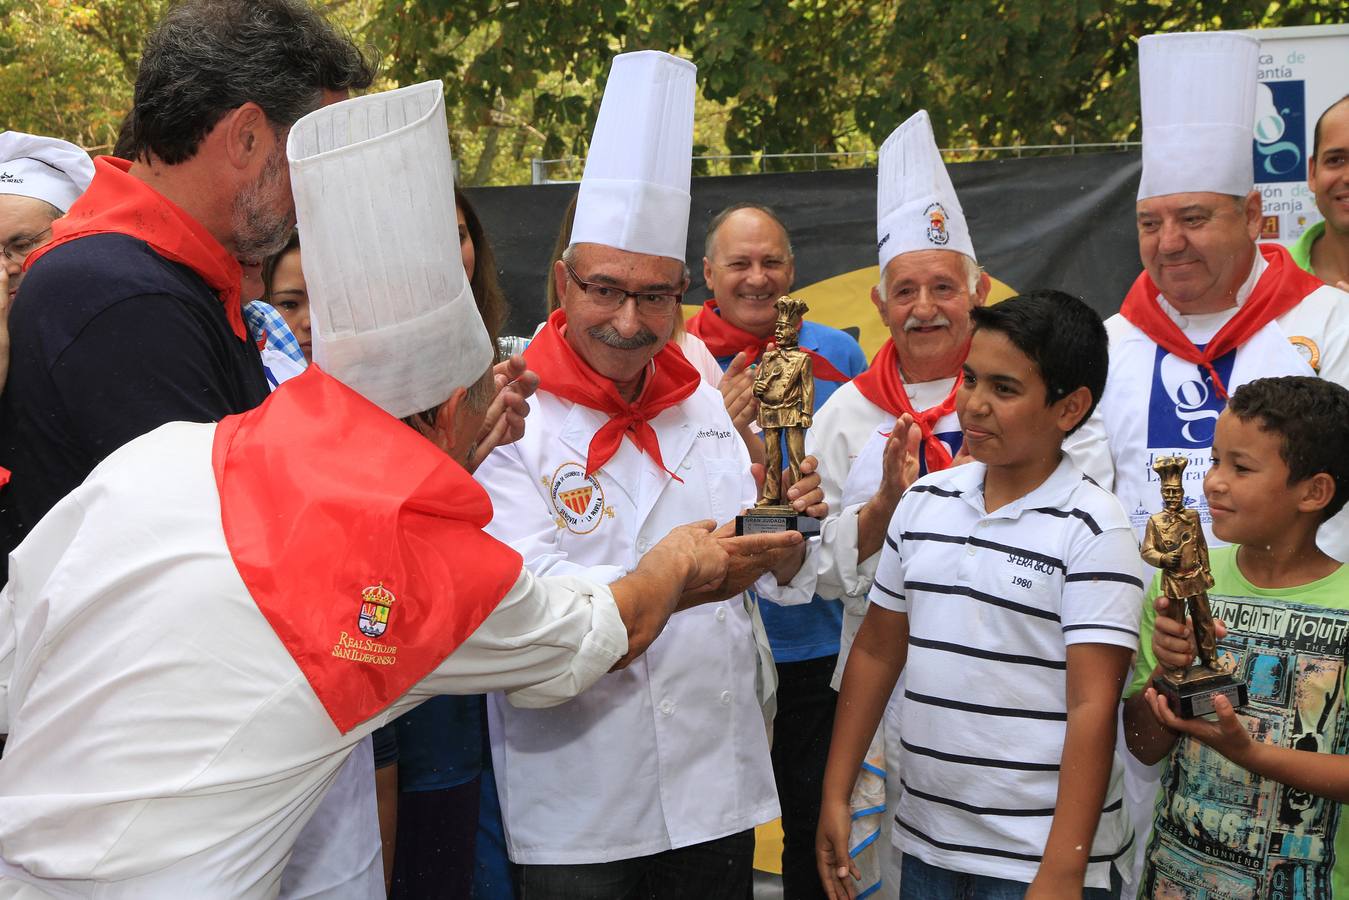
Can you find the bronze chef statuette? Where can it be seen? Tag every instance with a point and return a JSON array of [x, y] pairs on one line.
[[1175, 543], [784, 383]]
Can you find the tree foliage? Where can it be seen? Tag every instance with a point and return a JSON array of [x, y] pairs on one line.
[[822, 75], [523, 77]]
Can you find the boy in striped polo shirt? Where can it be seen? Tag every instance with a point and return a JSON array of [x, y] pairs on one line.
[[1008, 592]]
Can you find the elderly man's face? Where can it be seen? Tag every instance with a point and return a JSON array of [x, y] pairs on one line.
[[25, 225], [618, 342], [749, 268], [1198, 247], [926, 306], [1328, 174]]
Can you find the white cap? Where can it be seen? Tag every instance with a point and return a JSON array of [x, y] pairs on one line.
[[393, 315], [43, 168], [916, 205], [1198, 96], [634, 192]]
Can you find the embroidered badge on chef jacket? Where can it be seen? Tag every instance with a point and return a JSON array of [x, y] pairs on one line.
[[936, 224], [1307, 349], [577, 498], [376, 601]]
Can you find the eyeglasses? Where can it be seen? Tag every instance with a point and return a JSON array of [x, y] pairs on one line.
[[609, 298], [17, 250]]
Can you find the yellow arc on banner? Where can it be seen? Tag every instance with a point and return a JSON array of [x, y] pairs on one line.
[[844, 301]]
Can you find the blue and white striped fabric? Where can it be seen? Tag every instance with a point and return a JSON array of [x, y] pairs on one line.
[[868, 813]]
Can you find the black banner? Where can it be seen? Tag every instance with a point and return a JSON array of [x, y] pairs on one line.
[[1063, 222]]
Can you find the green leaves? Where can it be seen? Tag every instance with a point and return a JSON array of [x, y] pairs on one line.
[[523, 78]]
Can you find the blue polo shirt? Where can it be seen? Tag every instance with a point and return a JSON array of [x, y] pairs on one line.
[[811, 630]]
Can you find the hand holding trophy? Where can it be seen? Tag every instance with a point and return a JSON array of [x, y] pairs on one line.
[[784, 384], [1174, 542]]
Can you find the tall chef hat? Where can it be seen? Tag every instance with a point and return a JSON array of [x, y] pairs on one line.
[[393, 315], [634, 192], [916, 205], [1198, 96], [43, 168]]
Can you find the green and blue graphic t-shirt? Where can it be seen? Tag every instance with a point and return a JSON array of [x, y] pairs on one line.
[[1219, 830]]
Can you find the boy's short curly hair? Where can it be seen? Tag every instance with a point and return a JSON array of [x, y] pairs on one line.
[[1311, 417]]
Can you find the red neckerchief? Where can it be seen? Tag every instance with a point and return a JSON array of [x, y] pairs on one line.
[[724, 339], [1281, 287], [360, 542], [882, 384], [670, 381], [123, 204]]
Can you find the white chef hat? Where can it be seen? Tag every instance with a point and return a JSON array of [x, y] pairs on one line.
[[634, 192], [916, 205], [44, 168], [393, 315], [1198, 96]]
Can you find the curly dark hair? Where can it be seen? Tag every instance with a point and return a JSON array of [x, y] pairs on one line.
[[207, 57], [1311, 417]]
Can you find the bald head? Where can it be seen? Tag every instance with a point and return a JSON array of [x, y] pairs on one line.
[[748, 266]]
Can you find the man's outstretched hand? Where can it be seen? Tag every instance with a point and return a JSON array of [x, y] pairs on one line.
[[747, 557], [692, 564]]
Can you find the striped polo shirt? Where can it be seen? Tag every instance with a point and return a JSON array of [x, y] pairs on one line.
[[993, 601]]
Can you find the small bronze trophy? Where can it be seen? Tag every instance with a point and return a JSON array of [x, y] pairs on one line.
[[784, 382], [1175, 543]]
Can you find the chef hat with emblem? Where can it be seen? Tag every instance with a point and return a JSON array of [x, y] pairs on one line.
[[44, 168], [916, 204], [392, 313], [634, 192], [1198, 95]]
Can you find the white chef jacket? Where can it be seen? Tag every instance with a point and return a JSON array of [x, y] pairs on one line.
[[162, 741], [338, 855], [1156, 404], [842, 439], [672, 750]]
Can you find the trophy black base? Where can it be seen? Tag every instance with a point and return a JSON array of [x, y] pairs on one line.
[[776, 519], [1194, 697]]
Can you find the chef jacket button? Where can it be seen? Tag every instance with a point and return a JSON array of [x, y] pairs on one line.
[[643, 545], [725, 698], [666, 707], [686, 465], [969, 551], [721, 614]]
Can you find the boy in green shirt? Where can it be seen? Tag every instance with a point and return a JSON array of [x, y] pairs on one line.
[[1250, 804]]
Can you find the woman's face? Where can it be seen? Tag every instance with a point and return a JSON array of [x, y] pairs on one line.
[[465, 243], [291, 299]]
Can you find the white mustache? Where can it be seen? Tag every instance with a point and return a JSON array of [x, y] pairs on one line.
[[937, 321]]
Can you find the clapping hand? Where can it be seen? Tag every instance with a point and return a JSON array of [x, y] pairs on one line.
[[737, 392]]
